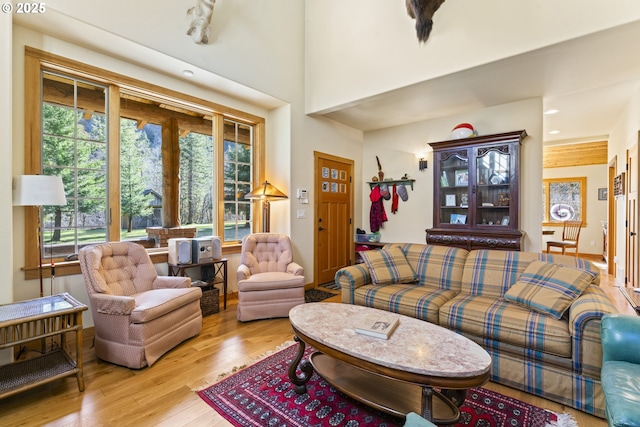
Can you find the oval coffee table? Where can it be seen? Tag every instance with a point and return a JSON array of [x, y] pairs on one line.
[[397, 375]]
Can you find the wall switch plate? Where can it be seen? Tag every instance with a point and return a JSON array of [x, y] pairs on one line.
[[301, 213]]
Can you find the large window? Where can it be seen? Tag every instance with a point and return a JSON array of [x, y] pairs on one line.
[[74, 146], [109, 138]]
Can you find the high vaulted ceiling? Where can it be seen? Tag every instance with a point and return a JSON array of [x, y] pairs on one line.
[[589, 80]]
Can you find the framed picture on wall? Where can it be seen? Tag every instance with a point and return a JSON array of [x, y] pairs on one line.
[[602, 194]]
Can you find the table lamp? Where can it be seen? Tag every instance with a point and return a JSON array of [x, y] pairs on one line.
[[39, 190], [265, 192]]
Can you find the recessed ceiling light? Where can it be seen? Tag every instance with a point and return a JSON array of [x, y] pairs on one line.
[[554, 132], [188, 73], [551, 111]]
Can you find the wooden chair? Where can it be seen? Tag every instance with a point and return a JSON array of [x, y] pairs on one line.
[[570, 237]]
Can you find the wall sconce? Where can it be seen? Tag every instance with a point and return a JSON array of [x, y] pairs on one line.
[[422, 163]]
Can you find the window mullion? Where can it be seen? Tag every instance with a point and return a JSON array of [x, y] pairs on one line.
[[113, 162]]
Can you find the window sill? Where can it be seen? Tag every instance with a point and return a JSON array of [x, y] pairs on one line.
[[70, 268]]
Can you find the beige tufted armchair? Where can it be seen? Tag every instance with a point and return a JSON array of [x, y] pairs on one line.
[[269, 282], [138, 315]]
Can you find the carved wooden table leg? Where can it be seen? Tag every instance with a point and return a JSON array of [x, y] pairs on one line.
[[427, 403], [300, 382]]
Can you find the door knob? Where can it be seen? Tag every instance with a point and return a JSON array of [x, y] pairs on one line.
[[632, 233], [321, 228]]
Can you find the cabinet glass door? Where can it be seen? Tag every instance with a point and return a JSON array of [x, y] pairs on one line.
[[454, 188], [492, 187]]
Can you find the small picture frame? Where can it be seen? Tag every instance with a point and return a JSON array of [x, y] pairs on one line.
[[444, 181], [462, 177], [602, 193], [450, 200], [458, 219], [505, 220]]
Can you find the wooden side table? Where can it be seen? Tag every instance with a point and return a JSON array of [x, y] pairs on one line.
[[219, 271], [36, 319]]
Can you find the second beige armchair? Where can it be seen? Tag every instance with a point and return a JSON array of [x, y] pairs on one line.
[[270, 283]]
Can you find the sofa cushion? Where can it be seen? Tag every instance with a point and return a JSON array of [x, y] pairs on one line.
[[409, 299], [388, 265], [499, 320], [549, 288], [490, 272]]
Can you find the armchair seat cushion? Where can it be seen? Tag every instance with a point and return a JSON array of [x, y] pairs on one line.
[[622, 392], [270, 280], [159, 302]]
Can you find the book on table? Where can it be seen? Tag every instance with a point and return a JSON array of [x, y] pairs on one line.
[[377, 325]]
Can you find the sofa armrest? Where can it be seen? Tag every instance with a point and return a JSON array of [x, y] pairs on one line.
[[243, 272], [584, 326], [118, 305], [168, 282], [350, 278], [295, 269], [620, 334]]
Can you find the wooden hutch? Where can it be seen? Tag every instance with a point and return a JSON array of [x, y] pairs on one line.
[[476, 197]]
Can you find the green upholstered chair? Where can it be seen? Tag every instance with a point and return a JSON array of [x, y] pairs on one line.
[[620, 376]]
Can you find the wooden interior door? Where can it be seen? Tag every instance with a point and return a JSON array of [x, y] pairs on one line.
[[333, 215], [633, 181]]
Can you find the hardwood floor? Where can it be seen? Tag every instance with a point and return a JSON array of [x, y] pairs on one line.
[[164, 395]]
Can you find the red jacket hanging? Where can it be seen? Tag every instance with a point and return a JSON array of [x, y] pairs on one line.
[[377, 215]]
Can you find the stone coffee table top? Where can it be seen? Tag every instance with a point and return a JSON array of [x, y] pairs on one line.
[[415, 346]]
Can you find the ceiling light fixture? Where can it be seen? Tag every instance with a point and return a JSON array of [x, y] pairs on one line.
[[554, 132], [188, 73], [551, 111]]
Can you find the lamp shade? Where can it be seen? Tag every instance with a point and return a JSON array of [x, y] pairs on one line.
[[265, 191], [38, 190]]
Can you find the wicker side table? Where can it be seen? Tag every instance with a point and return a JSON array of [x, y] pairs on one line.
[[36, 319]]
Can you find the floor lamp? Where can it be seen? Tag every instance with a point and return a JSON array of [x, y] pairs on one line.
[[266, 192], [39, 191]]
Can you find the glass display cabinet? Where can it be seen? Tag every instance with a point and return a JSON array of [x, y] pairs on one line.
[[476, 192]]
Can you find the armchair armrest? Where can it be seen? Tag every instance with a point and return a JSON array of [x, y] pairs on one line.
[[167, 282], [350, 278], [620, 334], [295, 269], [118, 305], [243, 272]]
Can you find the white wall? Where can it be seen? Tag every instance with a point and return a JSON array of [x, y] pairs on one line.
[[591, 240], [360, 48], [396, 148]]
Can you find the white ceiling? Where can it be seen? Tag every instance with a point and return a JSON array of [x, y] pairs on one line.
[[590, 80]]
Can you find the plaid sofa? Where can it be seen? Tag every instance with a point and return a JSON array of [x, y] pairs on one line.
[[558, 359]]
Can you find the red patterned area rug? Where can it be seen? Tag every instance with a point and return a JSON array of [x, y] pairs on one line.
[[262, 395]]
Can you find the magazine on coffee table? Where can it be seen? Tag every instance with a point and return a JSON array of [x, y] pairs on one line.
[[377, 325]]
